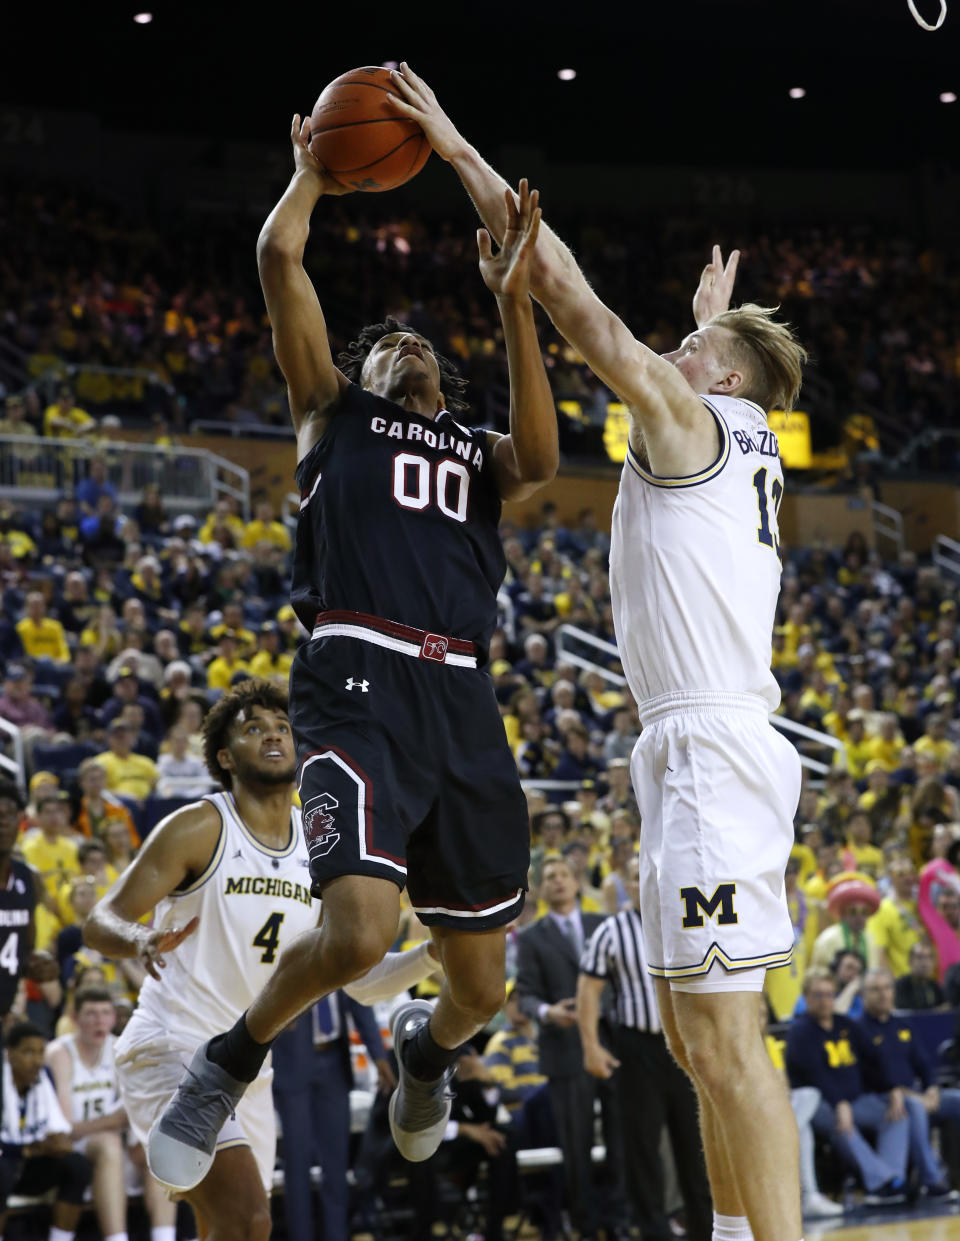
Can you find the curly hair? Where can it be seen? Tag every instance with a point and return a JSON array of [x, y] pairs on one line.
[[254, 692], [352, 359]]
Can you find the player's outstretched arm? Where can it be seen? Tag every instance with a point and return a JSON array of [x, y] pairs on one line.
[[636, 374], [299, 331], [527, 458], [177, 850]]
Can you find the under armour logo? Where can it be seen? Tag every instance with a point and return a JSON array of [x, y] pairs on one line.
[[362, 685]]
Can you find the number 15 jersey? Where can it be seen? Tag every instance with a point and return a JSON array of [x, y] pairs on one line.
[[695, 565]]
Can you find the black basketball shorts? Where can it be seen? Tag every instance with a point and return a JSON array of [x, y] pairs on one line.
[[405, 773]]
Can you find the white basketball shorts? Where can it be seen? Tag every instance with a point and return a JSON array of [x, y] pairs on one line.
[[150, 1063], [717, 787]]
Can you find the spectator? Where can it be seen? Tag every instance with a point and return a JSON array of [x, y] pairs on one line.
[[126, 690], [271, 660], [548, 957], [265, 528], [860, 853], [65, 420], [37, 1153], [18, 705], [98, 809], [550, 829], [853, 900], [228, 664], [120, 849], [620, 742], [826, 1052], [918, 990], [41, 636], [575, 761], [616, 891], [577, 853], [128, 774], [896, 927], [150, 514], [898, 1062], [50, 848], [180, 773], [939, 878], [100, 535], [95, 485], [619, 794]]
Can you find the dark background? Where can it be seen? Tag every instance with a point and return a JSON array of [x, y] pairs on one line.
[[694, 82]]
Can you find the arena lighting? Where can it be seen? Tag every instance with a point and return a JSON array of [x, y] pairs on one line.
[[948, 96], [143, 19], [797, 92], [566, 75], [390, 64]]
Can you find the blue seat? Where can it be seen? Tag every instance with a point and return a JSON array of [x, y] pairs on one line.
[[157, 808], [62, 760]]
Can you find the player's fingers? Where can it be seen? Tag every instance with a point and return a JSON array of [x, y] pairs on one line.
[[150, 968], [305, 130], [483, 245], [407, 83], [532, 229], [295, 127], [415, 80], [513, 213], [191, 926], [732, 262], [718, 258]]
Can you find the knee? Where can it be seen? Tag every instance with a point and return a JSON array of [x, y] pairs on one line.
[[716, 1060], [104, 1148], [75, 1175], [479, 996], [677, 1050], [356, 948]]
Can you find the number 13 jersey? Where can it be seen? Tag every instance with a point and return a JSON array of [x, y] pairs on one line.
[[251, 901], [398, 519], [695, 565]]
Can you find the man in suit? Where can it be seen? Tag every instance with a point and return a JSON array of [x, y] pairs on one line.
[[312, 1079], [548, 960]]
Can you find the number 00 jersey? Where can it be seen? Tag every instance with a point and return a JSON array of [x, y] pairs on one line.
[[695, 565], [251, 901], [398, 519]]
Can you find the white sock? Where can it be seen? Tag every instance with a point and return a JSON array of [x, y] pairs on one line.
[[731, 1228], [60, 1234], [116, 1236], [166, 1232]]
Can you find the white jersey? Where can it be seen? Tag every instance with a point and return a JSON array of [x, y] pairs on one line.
[[93, 1088], [251, 901], [695, 566]]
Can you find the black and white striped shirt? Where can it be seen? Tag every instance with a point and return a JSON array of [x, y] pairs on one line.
[[615, 952]]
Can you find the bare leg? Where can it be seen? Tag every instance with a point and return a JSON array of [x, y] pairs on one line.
[[749, 1106], [723, 1188], [105, 1152], [230, 1202], [360, 916], [474, 983]]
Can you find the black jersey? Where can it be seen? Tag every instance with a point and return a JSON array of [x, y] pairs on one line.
[[398, 519], [17, 901]]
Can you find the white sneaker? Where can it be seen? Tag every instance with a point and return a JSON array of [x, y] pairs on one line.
[[418, 1110], [818, 1206]]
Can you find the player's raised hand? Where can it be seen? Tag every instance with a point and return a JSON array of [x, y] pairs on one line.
[[416, 100], [716, 286], [507, 273], [305, 161], [155, 943]]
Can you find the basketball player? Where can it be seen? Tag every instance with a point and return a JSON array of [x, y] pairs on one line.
[[235, 866], [403, 760], [695, 574], [85, 1076]]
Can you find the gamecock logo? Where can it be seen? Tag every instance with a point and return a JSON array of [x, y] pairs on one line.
[[318, 823]]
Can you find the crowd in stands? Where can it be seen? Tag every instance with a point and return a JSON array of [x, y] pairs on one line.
[[111, 657], [90, 285]]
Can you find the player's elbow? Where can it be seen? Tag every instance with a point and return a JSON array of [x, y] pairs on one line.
[[275, 250]]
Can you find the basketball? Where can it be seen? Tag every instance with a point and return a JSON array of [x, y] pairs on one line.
[[359, 139]]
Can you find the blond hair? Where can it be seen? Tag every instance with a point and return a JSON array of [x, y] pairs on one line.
[[768, 352]]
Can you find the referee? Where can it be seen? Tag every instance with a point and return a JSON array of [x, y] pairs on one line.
[[653, 1088]]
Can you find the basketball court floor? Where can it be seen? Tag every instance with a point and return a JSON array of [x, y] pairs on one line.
[[935, 1224]]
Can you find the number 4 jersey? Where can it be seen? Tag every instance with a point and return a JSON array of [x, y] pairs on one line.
[[695, 565], [398, 519], [17, 900], [251, 901]]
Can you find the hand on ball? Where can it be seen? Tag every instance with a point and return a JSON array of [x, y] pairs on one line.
[[415, 100], [305, 161]]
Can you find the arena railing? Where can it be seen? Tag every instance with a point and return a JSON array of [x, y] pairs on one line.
[[13, 764], [888, 524], [36, 470], [568, 634], [945, 554]]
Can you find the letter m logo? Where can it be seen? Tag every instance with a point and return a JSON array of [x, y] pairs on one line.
[[722, 901]]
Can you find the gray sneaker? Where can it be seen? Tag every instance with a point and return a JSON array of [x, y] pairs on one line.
[[419, 1111], [182, 1142]]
